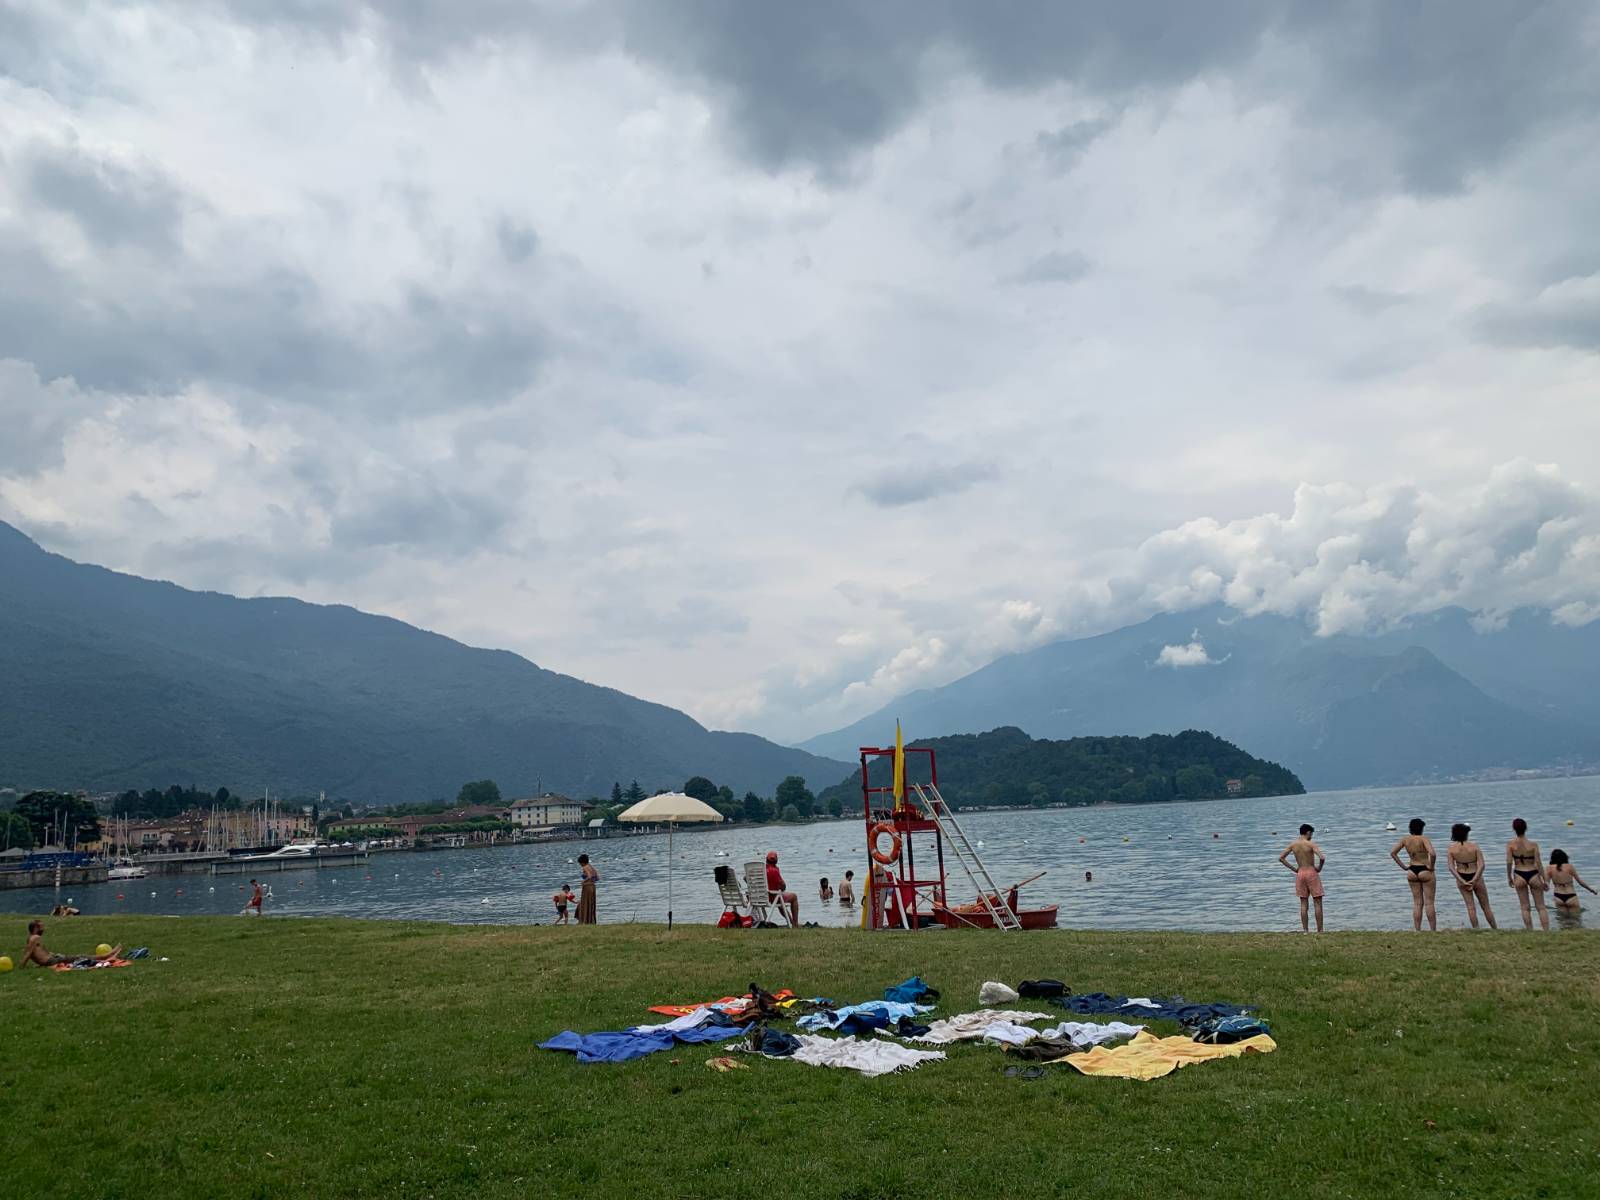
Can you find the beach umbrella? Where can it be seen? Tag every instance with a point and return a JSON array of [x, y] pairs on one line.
[[669, 808]]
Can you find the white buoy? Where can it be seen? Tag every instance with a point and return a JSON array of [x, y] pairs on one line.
[[1390, 827], [486, 900], [980, 843], [211, 889]]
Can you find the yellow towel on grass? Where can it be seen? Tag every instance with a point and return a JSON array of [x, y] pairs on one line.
[[1150, 1057]]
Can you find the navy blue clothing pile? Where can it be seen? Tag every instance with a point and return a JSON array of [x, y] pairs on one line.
[[1170, 1008]]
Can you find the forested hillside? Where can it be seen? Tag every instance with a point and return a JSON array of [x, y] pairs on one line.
[[1007, 767]]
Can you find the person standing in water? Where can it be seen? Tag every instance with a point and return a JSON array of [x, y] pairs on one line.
[[254, 906], [1420, 876], [847, 889], [1307, 867], [588, 878], [1525, 873], [1564, 883], [1465, 862]]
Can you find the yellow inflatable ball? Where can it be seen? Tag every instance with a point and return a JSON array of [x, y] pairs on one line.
[[5, 963], [102, 950]]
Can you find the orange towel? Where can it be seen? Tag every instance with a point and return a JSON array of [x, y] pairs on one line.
[[732, 1005], [1150, 1057]]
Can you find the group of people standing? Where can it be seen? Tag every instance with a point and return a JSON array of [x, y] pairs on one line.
[[1526, 873]]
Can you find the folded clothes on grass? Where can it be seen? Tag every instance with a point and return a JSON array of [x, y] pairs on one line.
[[774, 1043], [624, 1045], [1223, 1031], [89, 963], [1069, 1037], [912, 991], [1149, 1057], [969, 1027], [739, 1008], [887, 1011], [1174, 1008]]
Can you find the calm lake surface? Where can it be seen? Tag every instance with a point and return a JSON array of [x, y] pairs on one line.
[[1155, 867]]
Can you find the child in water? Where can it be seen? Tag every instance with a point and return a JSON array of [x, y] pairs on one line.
[[563, 898]]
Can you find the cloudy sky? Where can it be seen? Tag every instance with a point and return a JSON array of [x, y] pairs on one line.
[[770, 360]]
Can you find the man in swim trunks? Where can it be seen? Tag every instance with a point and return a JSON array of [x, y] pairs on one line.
[[35, 954], [1307, 867], [847, 888], [254, 907]]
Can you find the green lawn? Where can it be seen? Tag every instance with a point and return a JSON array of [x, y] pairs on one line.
[[288, 1058]]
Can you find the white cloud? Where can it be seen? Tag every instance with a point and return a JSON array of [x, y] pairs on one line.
[[1192, 654], [411, 310]]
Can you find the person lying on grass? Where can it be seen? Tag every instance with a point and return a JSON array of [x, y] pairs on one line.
[[36, 955]]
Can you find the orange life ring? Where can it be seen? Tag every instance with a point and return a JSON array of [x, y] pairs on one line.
[[879, 856]]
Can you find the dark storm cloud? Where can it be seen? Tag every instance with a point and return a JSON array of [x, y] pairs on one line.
[[1058, 266], [518, 241], [114, 205], [1565, 316], [1454, 85], [897, 489], [1063, 147], [272, 333], [421, 512]]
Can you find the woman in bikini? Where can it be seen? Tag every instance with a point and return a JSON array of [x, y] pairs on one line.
[[1419, 873], [1564, 883], [1465, 861], [1525, 873]]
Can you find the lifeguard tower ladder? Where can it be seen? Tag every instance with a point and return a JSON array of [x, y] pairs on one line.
[[900, 899]]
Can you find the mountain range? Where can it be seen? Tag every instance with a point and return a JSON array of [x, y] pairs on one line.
[[109, 681], [1432, 700]]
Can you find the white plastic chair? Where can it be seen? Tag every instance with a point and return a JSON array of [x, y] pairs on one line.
[[762, 901]]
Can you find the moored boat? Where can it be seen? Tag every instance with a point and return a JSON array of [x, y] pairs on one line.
[[976, 916]]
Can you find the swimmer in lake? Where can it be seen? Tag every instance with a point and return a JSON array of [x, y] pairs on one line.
[[1564, 883], [1419, 871], [1307, 867], [1525, 873], [1465, 863], [847, 889]]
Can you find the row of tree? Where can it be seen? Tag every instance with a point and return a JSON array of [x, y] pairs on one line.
[[158, 805], [49, 819], [1006, 767], [793, 801]]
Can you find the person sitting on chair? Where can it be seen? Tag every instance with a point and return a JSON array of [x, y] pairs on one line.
[[776, 888]]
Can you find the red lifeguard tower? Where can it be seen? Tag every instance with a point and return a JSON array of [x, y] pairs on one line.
[[908, 826]]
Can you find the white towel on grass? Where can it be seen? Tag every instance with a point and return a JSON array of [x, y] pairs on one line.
[[878, 1057], [969, 1027]]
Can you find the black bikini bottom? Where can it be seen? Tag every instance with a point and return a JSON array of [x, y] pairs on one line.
[[1528, 874], [1468, 876]]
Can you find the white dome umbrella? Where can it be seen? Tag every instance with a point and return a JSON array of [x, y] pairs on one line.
[[671, 808]]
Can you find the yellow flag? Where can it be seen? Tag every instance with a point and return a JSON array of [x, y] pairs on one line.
[[899, 768]]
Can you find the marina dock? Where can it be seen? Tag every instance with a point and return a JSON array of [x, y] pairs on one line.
[[268, 864]]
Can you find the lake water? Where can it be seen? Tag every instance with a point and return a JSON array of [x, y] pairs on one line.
[[1155, 866]]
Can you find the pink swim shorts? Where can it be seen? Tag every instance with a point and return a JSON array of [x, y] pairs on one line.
[[1308, 883]]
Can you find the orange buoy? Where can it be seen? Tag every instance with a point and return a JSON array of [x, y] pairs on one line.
[[878, 830]]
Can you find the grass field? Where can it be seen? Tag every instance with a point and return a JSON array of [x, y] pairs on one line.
[[288, 1058]]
